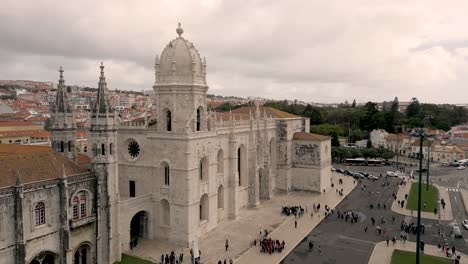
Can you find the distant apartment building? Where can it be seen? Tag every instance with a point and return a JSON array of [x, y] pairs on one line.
[[377, 138]]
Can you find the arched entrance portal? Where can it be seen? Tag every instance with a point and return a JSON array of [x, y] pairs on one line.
[[138, 228], [264, 191], [45, 258], [82, 255]]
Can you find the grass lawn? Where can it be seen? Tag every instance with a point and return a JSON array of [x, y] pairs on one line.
[[430, 197], [126, 259], [405, 257]]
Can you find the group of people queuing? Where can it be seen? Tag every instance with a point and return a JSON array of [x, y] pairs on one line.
[[269, 246], [172, 258], [348, 215], [293, 210]]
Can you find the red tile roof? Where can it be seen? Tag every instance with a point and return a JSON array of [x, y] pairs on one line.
[[310, 136], [32, 163], [82, 158], [16, 123]]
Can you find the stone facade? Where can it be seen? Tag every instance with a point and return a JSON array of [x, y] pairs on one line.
[[172, 176]]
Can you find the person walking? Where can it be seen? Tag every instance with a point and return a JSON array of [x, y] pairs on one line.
[[295, 223], [365, 229], [226, 245], [311, 245]]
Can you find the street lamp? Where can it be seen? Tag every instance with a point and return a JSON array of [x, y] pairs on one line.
[[421, 135]]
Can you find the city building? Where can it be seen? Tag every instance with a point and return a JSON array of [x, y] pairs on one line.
[[172, 175]]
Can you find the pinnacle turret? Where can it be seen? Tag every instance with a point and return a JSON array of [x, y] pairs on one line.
[[102, 104], [62, 105]]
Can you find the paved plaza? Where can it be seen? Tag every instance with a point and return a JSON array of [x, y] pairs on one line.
[[242, 231]]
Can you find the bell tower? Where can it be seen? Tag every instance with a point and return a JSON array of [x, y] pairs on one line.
[[103, 141], [62, 122], [180, 88]]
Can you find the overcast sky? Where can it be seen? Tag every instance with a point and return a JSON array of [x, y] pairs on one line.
[[312, 50]]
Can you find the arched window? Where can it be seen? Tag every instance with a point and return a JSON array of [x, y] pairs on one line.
[[168, 121], [165, 212], [198, 119], [220, 167], [69, 146], [39, 213], [221, 197], [167, 174], [203, 169], [62, 147], [79, 205], [103, 149], [239, 165], [95, 151], [110, 149], [76, 203], [204, 207]]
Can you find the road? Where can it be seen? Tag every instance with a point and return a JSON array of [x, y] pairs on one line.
[[343, 242]]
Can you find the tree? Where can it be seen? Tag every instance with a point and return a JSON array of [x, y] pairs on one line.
[[335, 142], [353, 105], [413, 109]]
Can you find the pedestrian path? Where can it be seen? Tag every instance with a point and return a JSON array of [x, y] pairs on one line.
[[242, 231], [382, 253], [445, 214], [451, 189], [293, 236]]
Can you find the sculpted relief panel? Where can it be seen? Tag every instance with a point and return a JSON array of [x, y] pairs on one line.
[[307, 154]]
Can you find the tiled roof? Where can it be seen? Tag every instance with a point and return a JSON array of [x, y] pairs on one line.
[[310, 136], [82, 158], [16, 123], [269, 111], [25, 133], [32, 163], [245, 112]]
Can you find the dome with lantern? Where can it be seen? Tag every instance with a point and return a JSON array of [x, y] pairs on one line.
[[180, 63]]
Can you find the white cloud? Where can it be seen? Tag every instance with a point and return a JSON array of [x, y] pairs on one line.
[[316, 50]]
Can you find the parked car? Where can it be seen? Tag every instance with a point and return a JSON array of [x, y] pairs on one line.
[[465, 224], [340, 170], [364, 173], [461, 167], [358, 175], [392, 174], [423, 170], [445, 164], [457, 232], [372, 177], [333, 169]]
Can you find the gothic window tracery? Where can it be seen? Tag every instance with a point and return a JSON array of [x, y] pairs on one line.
[[39, 213], [133, 149]]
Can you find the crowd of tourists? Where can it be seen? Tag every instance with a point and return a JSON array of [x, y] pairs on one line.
[[269, 246], [293, 210], [172, 258]]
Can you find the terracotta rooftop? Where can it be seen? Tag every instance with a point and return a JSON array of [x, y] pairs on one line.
[[82, 158], [30, 133], [310, 136], [16, 123], [244, 113], [32, 163]]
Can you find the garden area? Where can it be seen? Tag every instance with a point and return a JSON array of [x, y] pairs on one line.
[[126, 259], [406, 257], [429, 197]]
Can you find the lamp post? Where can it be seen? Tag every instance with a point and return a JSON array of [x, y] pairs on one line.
[[421, 135], [418, 228], [428, 162]]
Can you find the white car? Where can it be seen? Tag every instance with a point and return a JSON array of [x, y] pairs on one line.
[[392, 174], [372, 177], [465, 224], [461, 167]]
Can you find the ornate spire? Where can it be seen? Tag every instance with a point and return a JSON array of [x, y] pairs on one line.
[[102, 101], [180, 30], [61, 100]]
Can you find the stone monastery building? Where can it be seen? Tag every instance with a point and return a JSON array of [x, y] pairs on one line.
[[173, 175]]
